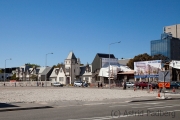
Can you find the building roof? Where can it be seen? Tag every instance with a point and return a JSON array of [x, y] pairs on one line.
[[71, 56], [83, 70], [123, 61], [102, 55], [46, 70], [54, 72]]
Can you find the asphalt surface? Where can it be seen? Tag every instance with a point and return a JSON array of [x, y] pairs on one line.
[[136, 109]]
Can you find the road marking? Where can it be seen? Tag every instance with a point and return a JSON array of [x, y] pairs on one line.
[[164, 106], [141, 107], [120, 116], [154, 103], [135, 104], [90, 104]]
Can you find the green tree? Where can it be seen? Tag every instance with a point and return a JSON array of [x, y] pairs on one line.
[[13, 77], [1, 71], [33, 65], [146, 57], [140, 57], [58, 65], [33, 77]]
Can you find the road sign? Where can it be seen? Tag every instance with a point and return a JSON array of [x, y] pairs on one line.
[[162, 84]]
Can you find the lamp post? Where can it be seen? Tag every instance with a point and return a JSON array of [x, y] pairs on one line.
[[46, 67], [109, 61], [5, 68]]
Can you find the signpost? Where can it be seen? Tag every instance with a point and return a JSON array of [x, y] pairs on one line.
[[164, 80]]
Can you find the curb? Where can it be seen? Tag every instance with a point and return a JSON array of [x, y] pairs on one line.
[[157, 99], [24, 108]]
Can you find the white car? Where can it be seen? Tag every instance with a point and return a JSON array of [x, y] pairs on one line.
[[57, 84], [129, 84], [77, 83]]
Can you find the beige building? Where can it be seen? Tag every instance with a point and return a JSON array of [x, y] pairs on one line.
[[173, 29]]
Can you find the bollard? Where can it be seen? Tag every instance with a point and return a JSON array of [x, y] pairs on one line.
[[158, 93], [173, 90]]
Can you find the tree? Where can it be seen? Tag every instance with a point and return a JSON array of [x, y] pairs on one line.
[[58, 65], [146, 57], [33, 77], [33, 65], [160, 57], [140, 57], [1, 71], [13, 77]]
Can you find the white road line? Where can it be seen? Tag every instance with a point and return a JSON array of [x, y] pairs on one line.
[[134, 104], [164, 106], [90, 104], [121, 116], [141, 107]]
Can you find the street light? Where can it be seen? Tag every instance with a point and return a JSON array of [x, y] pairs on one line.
[[46, 66], [5, 68], [109, 61]]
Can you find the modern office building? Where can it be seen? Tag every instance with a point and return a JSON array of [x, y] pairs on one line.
[[173, 29], [167, 46]]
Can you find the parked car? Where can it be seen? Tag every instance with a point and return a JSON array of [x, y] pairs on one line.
[[145, 85], [79, 84], [129, 84], [175, 85], [57, 84]]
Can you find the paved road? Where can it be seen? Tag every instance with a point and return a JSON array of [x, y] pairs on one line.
[[164, 109]]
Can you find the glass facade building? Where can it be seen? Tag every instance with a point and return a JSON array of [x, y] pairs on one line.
[[169, 47], [161, 47]]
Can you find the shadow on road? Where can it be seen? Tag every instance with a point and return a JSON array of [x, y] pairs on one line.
[[5, 105]]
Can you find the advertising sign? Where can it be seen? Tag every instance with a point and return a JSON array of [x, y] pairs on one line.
[[175, 64], [147, 69], [113, 61]]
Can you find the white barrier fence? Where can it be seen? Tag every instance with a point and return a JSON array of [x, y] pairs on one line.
[[26, 83]]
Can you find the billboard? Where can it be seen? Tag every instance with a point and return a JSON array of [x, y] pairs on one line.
[[175, 64], [147, 69], [113, 61]]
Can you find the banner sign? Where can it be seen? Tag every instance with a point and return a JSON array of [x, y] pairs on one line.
[[147, 69], [175, 64]]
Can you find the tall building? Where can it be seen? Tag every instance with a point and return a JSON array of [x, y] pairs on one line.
[[167, 46], [173, 29]]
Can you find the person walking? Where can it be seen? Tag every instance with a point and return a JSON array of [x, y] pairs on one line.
[[101, 85], [98, 84]]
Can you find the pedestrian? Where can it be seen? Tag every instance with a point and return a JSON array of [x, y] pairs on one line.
[[42, 84], [15, 84], [4, 84], [101, 85], [98, 84]]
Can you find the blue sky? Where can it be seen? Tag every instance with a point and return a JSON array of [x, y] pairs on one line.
[[29, 29]]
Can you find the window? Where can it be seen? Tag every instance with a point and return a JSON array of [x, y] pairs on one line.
[[86, 78], [61, 78]]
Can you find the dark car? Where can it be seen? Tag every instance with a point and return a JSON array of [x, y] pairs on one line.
[[175, 85]]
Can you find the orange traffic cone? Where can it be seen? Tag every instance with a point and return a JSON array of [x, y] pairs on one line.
[[173, 90], [158, 93]]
